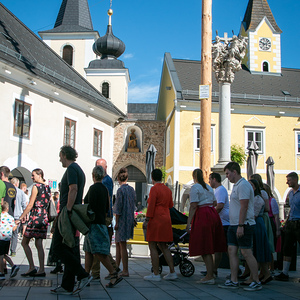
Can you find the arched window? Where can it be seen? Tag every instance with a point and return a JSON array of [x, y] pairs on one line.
[[265, 66], [105, 89], [68, 54]]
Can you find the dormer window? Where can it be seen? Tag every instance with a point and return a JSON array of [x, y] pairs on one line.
[[265, 66], [68, 54]]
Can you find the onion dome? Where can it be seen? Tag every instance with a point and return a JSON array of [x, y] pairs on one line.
[[109, 46]]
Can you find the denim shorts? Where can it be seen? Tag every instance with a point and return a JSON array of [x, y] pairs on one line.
[[97, 240], [244, 242]]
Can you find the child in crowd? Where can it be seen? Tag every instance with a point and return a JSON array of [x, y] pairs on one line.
[[7, 226]]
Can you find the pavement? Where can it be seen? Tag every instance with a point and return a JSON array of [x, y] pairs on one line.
[[135, 287]]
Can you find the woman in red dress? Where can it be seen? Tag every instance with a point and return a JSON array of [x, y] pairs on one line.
[[159, 226]]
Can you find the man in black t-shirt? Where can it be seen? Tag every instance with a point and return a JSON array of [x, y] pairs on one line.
[[71, 192], [10, 194]]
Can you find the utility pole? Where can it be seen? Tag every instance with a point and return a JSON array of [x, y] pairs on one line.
[[206, 79]]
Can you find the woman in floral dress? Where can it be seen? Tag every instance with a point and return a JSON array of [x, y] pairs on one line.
[[38, 222], [124, 209]]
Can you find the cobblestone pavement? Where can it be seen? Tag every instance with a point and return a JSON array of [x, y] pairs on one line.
[[134, 287]]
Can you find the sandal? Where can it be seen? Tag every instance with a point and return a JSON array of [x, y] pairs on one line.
[[116, 277]]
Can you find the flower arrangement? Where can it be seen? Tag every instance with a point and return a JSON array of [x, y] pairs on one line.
[[282, 223], [140, 215]]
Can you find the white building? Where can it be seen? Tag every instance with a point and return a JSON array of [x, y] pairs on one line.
[[45, 104]]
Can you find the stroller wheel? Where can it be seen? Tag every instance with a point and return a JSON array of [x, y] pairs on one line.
[[159, 269], [186, 268]]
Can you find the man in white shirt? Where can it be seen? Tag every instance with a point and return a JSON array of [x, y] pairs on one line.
[[241, 229], [222, 208]]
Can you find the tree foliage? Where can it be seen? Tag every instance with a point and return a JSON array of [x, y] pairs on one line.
[[238, 154]]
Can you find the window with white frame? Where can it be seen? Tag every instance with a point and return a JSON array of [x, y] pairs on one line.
[[97, 143], [22, 119], [70, 132], [256, 135], [197, 138], [298, 142], [168, 141]]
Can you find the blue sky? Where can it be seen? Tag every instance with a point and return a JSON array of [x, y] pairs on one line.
[[151, 28]]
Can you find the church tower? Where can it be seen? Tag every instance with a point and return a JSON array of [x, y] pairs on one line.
[[73, 35], [264, 45], [108, 73]]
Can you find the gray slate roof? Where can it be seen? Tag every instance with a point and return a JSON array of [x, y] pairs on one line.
[[139, 108], [255, 12], [142, 111], [247, 88], [19, 46], [73, 16]]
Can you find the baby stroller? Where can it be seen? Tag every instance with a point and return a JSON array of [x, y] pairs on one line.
[[180, 257]]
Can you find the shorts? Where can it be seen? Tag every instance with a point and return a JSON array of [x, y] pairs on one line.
[[246, 241], [97, 240], [291, 236], [4, 247], [226, 227]]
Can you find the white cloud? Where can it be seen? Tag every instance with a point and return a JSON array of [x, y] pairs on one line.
[[143, 93], [128, 56]]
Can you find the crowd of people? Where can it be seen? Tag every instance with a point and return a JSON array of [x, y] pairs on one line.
[[246, 228], [251, 227], [91, 215]]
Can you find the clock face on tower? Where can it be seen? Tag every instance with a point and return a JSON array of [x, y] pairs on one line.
[[264, 44]]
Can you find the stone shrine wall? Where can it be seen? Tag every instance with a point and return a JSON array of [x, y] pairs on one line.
[[148, 132]]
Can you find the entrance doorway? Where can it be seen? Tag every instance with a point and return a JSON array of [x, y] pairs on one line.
[[137, 180], [23, 175]]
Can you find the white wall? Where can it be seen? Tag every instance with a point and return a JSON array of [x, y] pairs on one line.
[[46, 134]]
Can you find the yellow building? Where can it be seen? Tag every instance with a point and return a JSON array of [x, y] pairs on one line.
[[265, 106]]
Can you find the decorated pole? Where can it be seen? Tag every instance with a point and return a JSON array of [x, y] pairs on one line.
[[206, 81]]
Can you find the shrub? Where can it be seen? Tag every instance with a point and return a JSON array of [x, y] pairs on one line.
[[238, 154]]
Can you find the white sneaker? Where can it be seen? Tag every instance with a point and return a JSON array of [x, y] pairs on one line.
[[254, 286], [171, 276], [152, 277], [60, 291]]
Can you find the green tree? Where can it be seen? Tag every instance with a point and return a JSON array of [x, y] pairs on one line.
[[238, 154], [164, 173]]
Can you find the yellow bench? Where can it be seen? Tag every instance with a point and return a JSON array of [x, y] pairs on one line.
[[138, 234]]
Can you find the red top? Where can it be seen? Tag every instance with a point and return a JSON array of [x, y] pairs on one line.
[[160, 201]]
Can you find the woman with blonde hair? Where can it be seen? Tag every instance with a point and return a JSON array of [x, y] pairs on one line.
[[38, 222]]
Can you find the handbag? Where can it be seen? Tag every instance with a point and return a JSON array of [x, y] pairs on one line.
[[52, 213]]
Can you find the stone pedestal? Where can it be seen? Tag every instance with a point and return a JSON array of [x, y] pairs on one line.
[[219, 168], [133, 150]]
